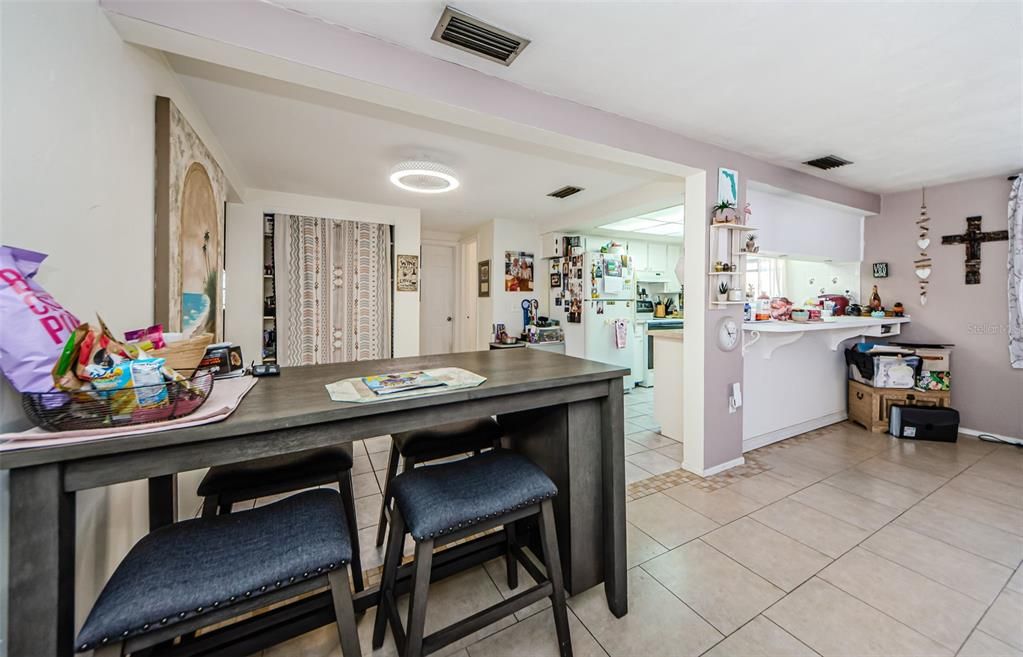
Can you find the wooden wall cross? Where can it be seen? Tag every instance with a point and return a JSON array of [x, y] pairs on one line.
[[973, 238]]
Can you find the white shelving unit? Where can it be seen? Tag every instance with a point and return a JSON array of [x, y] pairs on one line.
[[727, 243]]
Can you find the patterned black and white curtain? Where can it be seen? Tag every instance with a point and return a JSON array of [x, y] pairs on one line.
[[1016, 273], [333, 281]]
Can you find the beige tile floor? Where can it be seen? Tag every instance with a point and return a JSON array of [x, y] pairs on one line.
[[840, 542]]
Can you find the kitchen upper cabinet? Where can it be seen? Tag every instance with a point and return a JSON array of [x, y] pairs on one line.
[[552, 245], [638, 251], [802, 228], [657, 257], [672, 284]]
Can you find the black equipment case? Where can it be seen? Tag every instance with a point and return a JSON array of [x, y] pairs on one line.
[[924, 423]]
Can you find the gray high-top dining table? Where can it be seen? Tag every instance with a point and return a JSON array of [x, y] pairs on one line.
[[564, 413]]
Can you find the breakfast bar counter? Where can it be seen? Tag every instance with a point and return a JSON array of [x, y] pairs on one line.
[[794, 373], [566, 414]]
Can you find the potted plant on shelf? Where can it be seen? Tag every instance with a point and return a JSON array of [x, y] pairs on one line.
[[751, 243], [723, 291], [724, 213]]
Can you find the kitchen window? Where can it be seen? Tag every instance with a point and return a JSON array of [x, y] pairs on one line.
[[765, 275]]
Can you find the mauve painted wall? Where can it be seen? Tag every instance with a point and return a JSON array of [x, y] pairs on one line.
[[987, 392]]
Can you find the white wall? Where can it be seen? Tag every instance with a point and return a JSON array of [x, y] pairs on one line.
[[244, 262], [834, 277], [796, 225], [77, 180], [494, 238]]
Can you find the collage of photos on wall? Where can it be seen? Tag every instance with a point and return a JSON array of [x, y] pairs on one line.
[[574, 294]]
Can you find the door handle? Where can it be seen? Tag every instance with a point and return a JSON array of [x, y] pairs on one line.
[[859, 395]]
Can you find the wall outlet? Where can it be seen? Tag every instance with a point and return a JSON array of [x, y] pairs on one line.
[[735, 400]]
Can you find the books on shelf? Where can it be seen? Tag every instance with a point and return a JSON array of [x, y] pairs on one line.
[[386, 384]]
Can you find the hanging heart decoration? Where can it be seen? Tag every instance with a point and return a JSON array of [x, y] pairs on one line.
[[922, 265]]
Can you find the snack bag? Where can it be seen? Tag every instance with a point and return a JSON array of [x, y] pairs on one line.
[[133, 384], [147, 338], [34, 327]]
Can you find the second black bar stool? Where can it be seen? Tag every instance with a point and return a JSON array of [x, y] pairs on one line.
[[441, 504], [225, 485], [430, 444]]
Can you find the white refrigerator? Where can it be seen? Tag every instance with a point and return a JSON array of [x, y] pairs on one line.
[[607, 299]]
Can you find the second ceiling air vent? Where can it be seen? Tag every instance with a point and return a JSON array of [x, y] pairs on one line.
[[462, 31], [827, 162], [566, 191]]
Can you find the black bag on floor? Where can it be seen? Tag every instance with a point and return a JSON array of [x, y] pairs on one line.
[[924, 423]]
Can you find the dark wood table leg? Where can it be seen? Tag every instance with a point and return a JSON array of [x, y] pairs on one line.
[[613, 481], [42, 563], [163, 501]]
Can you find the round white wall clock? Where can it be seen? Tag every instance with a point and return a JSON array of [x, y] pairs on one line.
[[729, 334]]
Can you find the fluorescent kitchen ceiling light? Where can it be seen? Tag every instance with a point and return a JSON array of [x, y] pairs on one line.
[[674, 215], [663, 229], [633, 224]]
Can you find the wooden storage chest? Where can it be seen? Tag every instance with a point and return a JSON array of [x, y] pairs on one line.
[[869, 406]]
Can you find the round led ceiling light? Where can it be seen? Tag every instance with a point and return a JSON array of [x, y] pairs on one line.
[[424, 177]]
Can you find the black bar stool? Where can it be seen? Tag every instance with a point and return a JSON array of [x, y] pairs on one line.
[[421, 445], [198, 573], [225, 485], [440, 504]]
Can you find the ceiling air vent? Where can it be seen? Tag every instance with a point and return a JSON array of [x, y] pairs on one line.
[[464, 32], [827, 162], [565, 191]]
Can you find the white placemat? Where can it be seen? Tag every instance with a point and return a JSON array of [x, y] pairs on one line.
[[356, 390], [225, 397]]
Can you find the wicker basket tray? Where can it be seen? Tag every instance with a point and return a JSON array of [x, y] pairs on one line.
[[184, 354], [75, 411]]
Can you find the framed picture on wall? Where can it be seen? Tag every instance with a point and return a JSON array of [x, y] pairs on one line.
[[728, 186], [880, 270], [408, 273], [483, 278], [555, 280], [518, 271], [191, 192]]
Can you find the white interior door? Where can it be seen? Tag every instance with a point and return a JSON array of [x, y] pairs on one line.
[[467, 293], [437, 304]]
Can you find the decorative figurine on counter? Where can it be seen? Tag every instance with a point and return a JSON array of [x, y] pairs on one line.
[[898, 309], [875, 300], [747, 212]]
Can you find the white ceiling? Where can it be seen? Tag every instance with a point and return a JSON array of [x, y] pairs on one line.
[[913, 93], [294, 139]]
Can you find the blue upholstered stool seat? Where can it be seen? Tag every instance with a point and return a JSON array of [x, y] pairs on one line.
[[439, 499], [450, 438], [314, 467], [181, 570]]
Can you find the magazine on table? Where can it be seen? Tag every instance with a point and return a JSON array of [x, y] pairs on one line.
[[386, 384]]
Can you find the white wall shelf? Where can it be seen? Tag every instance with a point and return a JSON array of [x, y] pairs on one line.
[[726, 245]]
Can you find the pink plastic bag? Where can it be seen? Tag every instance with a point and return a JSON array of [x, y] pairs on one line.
[[33, 326]]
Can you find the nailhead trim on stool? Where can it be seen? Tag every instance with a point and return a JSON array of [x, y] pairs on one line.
[[177, 539]]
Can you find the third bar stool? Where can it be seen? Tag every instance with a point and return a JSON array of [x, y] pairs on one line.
[[440, 504]]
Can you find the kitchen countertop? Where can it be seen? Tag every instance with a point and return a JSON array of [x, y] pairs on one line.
[[843, 323], [669, 334]]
